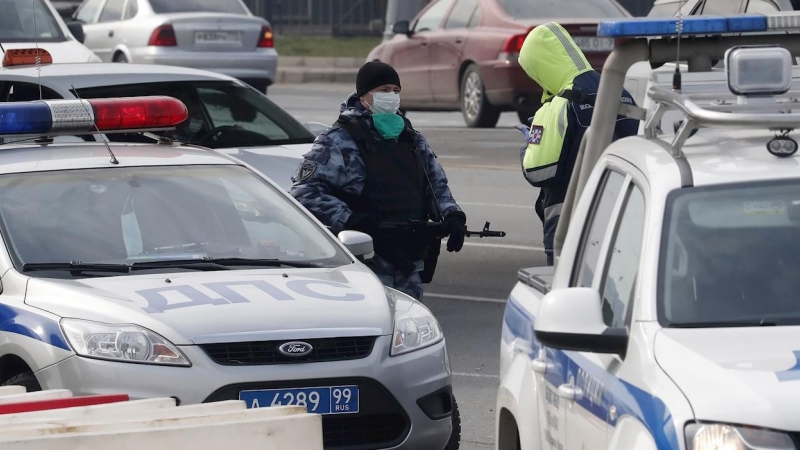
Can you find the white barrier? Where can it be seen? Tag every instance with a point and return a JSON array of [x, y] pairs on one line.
[[155, 424]]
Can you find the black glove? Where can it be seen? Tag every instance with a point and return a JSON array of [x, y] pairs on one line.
[[454, 226], [364, 223]]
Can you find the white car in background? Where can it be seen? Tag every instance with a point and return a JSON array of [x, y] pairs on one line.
[[225, 114], [18, 30]]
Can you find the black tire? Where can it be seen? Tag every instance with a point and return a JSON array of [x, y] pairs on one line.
[[121, 58], [524, 116], [455, 436], [26, 379], [478, 112]]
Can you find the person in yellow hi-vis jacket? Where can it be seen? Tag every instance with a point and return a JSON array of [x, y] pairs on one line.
[[553, 60]]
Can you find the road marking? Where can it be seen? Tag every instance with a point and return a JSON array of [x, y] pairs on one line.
[[474, 375], [499, 205], [503, 246], [466, 298]]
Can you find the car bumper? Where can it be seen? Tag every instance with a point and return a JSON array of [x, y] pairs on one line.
[[261, 64], [389, 388]]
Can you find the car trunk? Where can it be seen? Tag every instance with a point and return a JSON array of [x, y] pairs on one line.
[[216, 32]]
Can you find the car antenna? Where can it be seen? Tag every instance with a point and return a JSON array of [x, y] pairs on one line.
[[676, 77], [38, 56], [94, 124]]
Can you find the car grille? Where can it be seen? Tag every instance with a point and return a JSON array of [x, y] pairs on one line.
[[380, 423], [266, 352]]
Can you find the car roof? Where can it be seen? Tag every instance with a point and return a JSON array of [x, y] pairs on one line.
[[82, 75], [16, 158]]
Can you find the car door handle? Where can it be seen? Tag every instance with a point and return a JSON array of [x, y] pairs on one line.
[[111, 33], [566, 391], [459, 40], [539, 365]]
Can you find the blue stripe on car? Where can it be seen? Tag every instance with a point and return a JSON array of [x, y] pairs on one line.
[[27, 323], [628, 399]]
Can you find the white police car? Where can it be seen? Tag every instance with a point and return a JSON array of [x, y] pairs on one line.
[[163, 270], [671, 319]]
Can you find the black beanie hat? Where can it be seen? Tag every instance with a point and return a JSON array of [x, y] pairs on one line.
[[374, 74]]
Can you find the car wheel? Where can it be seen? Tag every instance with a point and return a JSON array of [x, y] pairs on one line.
[[26, 379], [475, 107], [455, 436], [121, 58]]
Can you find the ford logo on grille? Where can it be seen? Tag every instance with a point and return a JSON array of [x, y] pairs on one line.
[[295, 348]]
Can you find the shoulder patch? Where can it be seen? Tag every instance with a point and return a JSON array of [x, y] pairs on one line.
[[537, 132], [306, 169]]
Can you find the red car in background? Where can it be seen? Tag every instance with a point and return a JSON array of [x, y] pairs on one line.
[[462, 54]]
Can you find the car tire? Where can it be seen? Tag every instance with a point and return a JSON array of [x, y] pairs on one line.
[[455, 436], [26, 379], [478, 112], [121, 58], [524, 116]]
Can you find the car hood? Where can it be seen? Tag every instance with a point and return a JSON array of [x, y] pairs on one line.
[[69, 51], [736, 375], [278, 162], [227, 306]]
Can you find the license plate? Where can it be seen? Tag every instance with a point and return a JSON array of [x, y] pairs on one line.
[[318, 400], [218, 37], [594, 44]]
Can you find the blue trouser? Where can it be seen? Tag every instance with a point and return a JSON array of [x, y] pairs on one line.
[[550, 226], [394, 278]]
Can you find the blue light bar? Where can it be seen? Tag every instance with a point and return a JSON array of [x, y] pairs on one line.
[[25, 118], [693, 25]]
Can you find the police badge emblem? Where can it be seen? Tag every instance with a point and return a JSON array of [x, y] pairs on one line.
[[537, 131], [305, 170]]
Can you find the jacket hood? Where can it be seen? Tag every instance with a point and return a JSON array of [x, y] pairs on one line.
[[353, 105], [552, 59]]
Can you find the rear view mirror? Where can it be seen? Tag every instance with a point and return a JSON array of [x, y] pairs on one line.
[[401, 27], [76, 28], [358, 243], [572, 319]]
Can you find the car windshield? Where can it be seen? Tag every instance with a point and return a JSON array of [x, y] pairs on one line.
[[222, 114], [180, 6], [589, 9], [729, 256], [130, 215], [17, 24]]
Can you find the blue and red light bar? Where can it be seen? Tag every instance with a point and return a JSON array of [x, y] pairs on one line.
[[108, 115]]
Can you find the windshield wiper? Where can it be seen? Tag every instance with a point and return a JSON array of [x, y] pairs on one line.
[[76, 267], [261, 262], [729, 324], [194, 264]]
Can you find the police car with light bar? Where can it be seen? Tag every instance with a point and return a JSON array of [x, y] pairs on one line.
[[161, 270], [671, 318]]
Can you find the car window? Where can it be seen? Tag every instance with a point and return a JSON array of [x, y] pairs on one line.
[[131, 9], [17, 22], [431, 20], [88, 10], [12, 91], [623, 265], [222, 6], [729, 254], [222, 114], [476, 18], [461, 14], [761, 7], [595, 234], [112, 11], [526, 9], [126, 215], [721, 7]]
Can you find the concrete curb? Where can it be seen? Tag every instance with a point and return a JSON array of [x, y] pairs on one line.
[[306, 69]]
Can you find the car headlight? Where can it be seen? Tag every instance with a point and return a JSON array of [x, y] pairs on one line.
[[414, 325], [717, 436], [125, 343]]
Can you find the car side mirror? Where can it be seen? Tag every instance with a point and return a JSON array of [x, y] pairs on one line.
[[572, 319], [358, 243], [315, 128], [401, 27], [76, 28]]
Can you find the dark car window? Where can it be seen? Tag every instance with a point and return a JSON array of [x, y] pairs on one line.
[[112, 12], [17, 22], [594, 9], [721, 7], [222, 6], [87, 11], [222, 114], [761, 7], [131, 9], [431, 20], [462, 14]]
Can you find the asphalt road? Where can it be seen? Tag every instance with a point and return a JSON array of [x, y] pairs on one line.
[[470, 287]]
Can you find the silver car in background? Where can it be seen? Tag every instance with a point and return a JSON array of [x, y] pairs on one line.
[[221, 36]]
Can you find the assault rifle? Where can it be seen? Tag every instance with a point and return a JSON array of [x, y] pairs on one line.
[[435, 229]]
